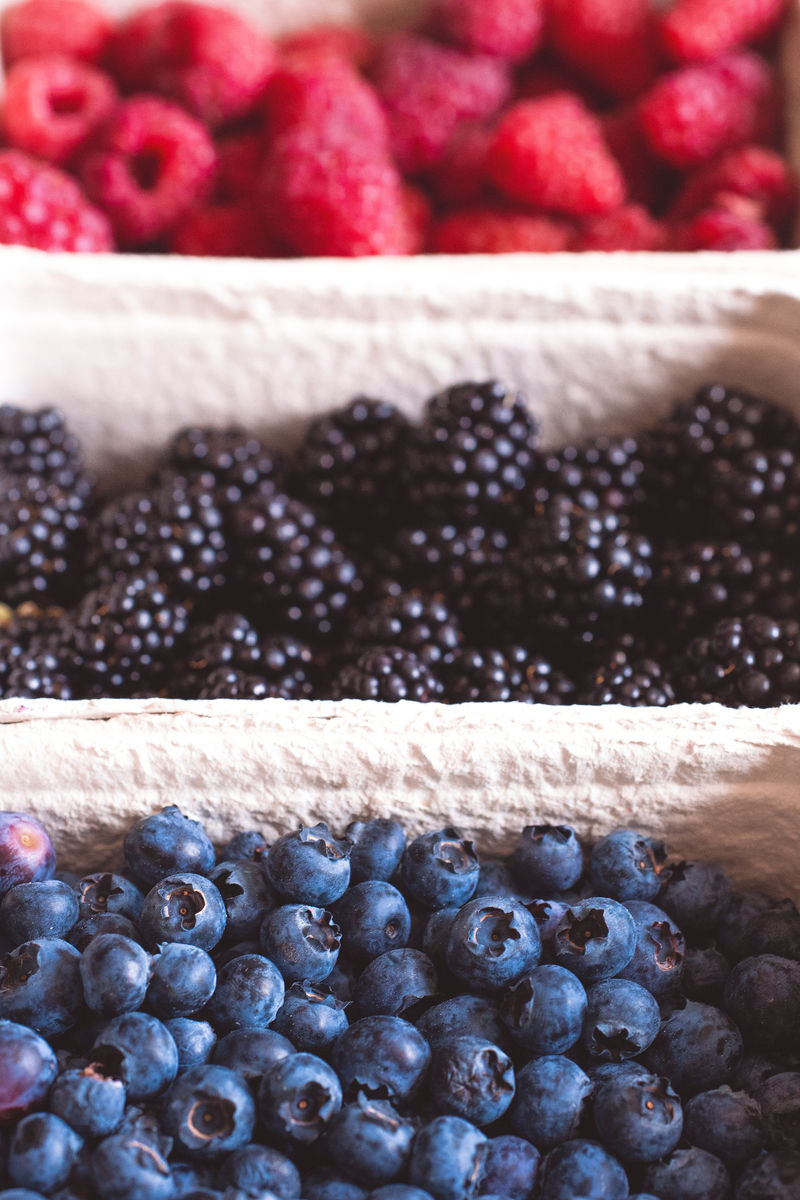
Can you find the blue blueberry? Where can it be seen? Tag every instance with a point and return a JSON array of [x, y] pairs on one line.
[[583, 1169], [89, 1099], [774, 1176], [27, 1068], [755, 1069], [26, 852], [547, 914], [208, 1111], [496, 879], [115, 973], [492, 941], [659, 954], [699, 1047], [622, 1020], [595, 939], [695, 895], [725, 1123], [42, 1152], [20, 1194], [164, 844], [382, 1056], [779, 1097], [761, 995], [395, 982], [143, 1052], [550, 1104], [252, 1052], [689, 1174], [195, 1041], [471, 1078], [40, 986], [183, 908], [733, 929], [109, 893], [436, 932], [326, 1184], [39, 910], [247, 895], [183, 980], [191, 1177], [463, 1016], [378, 846], [130, 1166], [399, 1191], [448, 1158], [251, 846], [370, 1141], [511, 1168], [258, 1169], [638, 1119], [92, 926], [311, 1017], [627, 866], [548, 858], [303, 942], [776, 930], [249, 994], [373, 918], [440, 868], [544, 1010], [705, 973], [298, 1099], [310, 866]]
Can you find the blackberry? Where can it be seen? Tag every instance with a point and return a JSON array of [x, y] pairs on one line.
[[228, 683], [42, 540], [34, 659], [540, 681], [291, 565], [442, 557], [757, 493], [628, 677], [495, 606], [229, 655], [479, 675], [228, 641], [414, 621], [39, 444], [725, 421], [603, 474], [474, 454], [386, 673], [752, 660], [230, 462]]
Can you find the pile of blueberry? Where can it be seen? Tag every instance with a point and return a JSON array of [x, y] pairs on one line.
[[366, 1018]]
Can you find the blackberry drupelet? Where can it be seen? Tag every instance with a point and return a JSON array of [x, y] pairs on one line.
[[283, 669], [603, 474], [386, 673], [628, 676], [753, 660], [231, 462], [39, 444], [42, 539], [414, 621]]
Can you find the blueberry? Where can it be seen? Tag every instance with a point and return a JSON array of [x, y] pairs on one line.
[[511, 1168], [298, 1098], [143, 1051], [385, 1057], [370, 1141], [183, 908], [164, 844], [183, 980], [440, 868], [492, 940], [726, 1123], [695, 895], [699, 1047], [89, 1099], [247, 895], [378, 846], [42, 1152], [436, 932], [774, 1176], [622, 1020], [26, 852], [471, 1078], [208, 1111], [688, 1175], [595, 939], [602, 1072], [327, 1184], [754, 1069], [705, 973], [310, 866], [191, 1177], [463, 1016], [399, 1191], [250, 846], [547, 914], [39, 910], [551, 1099], [640, 1119], [195, 1041], [257, 1169], [249, 994], [373, 918], [225, 953], [582, 1169], [394, 983], [20, 1194], [496, 879], [627, 866], [779, 1097], [130, 1166], [251, 1052], [40, 986], [115, 973], [92, 926], [659, 953], [761, 994], [312, 1017], [447, 1159], [544, 1010], [733, 929], [776, 930], [303, 942], [109, 893], [548, 858]]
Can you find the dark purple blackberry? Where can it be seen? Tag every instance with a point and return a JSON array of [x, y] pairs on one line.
[[229, 655], [350, 463], [478, 675], [628, 676], [754, 661], [230, 462], [757, 494], [386, 673], [495, 607], [414, 621], [445, 558], [228, 683], [603, 474], [34, 659], [39, 444], [42, 540], [229, 640], [719, 420], [537, 680], [292, 567], [474, 454]]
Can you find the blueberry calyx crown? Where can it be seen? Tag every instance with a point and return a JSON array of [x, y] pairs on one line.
[[320, 837], [455, 853], [581, 930]]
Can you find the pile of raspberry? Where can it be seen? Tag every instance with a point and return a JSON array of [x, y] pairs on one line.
[[494, 126]]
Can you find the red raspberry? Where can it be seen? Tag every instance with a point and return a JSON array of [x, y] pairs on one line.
[[629, 228], [71, 27], [349, 42], [428, 90], [460, 177], [53, 105], [751, 179], [326, 95], [647, 179], [151, 165], [209, 59], [42, 207], [418, 216], [493, 231], [550, 153], [510, 29], [240, 157], [698, 30], [696, 112], [223, 231], [327, 196], [610, 41], [718, 229]]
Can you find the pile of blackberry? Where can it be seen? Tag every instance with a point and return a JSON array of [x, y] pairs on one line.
[[453, 559]]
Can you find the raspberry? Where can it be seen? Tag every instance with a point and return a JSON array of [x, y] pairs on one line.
[[629, 228], [550, 153], [240, 157], [224, 231], [43, 208], [697, 112], [493, 231], [750, 176], [354, 45], [647, 179], [209, 59], [719, 229], [151, 166], [52, 105], [71, 27], [610, 41], [331, 197], [698, 30], [417, 217], [510, 29], [459, 178], [428, 90], [326, 97]]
